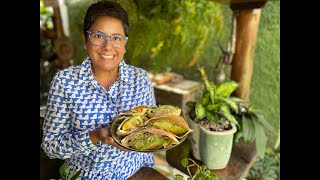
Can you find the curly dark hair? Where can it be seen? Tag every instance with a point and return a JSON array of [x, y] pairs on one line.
[[105, 8]]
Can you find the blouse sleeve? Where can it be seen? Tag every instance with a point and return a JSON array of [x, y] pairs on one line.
[[151, 101], [59, 141]]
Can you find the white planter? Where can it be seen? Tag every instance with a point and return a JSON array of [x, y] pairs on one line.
[[216, 147], [194, 138]]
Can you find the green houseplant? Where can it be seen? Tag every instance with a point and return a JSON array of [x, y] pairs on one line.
[[202, 172], [214, 113], [253, 127], [214, 122]]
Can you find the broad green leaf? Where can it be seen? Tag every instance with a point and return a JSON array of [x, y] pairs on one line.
[[231, 104], [236, 100], [260, 118], [200, 111], [248, 130], [64, 170], [261, 139], [225, 112], [184, 162], [212, 116], [226, 88], [205, 98], [212, 107]]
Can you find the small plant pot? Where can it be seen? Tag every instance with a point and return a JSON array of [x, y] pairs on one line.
[[194, 138], [215, 147]]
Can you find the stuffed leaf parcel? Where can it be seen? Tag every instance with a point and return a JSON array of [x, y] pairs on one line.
[[151, 127]]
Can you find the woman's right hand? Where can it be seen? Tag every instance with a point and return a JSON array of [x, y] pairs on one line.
[[104, 135]]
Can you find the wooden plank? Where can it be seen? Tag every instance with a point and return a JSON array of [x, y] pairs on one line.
[[146, 173], [241, 160]]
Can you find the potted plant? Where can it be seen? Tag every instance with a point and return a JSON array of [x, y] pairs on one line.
[[253, 127], [202, 171], [214, 122]]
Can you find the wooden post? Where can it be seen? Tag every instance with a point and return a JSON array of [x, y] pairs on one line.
[[246, 33]]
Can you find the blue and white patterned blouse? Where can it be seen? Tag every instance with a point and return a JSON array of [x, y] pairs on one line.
[[77, 104]]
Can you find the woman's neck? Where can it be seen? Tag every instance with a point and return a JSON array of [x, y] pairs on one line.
[[105, 78]]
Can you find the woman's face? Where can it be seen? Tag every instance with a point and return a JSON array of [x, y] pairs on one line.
[[106, 57]]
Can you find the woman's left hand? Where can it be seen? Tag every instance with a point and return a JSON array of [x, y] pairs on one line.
[[104, 135]]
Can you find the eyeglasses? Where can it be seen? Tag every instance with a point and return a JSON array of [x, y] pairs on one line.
[[98, 38]]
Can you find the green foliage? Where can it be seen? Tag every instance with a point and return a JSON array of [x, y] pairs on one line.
[[46, 14], [267, 168], [177, 31], [216, 102], [253, 126], [65, 173], [202, 172]]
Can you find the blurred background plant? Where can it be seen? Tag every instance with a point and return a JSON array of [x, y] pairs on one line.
[[45, 16], [267, 168]]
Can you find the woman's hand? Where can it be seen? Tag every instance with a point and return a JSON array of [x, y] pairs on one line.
[[104, 135]]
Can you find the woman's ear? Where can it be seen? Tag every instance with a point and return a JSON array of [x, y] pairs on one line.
[[84, 40]]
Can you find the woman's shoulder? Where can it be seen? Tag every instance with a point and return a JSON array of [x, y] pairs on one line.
[[136, 72], [70, 72]]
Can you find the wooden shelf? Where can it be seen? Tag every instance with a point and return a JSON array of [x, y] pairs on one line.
[[242, 158]]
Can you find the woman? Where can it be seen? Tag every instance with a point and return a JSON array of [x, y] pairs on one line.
[[83, 99]]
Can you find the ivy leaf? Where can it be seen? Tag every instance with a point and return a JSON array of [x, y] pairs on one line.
[[184, 162], [178, 177]]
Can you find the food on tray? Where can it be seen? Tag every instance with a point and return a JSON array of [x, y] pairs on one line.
[[149, 138], [151, 127], [174, 124]]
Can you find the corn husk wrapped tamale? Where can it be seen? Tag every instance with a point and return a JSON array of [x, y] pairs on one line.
[[173, 124], [130, 125], [148, 139], [134, 120], [163, 110]]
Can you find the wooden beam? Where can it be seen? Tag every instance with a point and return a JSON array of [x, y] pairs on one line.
[[242, 63]]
